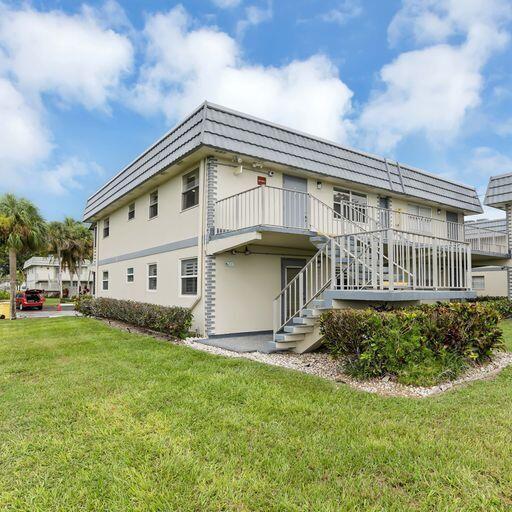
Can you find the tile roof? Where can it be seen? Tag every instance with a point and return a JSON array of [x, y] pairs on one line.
[[217, 127]]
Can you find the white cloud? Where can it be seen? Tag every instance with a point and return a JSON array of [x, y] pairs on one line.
[[73, 56], [66, 176], [185, 66], [344, 12], [487, 162], [254, 16], [226, 4], [23, 139], [77, 58], [430, 90]]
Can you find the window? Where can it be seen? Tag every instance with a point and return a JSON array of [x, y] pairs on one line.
[[153, 204], [131, 211], [420, 218], [478, 283], [421, 211], [190, 194], [350, 205], [130, 276], [189, 276], [105, 280], [106, 227], [152, 276]]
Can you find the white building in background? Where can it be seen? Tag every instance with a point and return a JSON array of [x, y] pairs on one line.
[[42, 273]]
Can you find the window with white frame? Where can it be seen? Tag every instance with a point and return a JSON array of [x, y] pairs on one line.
[[190, 190], [106, 227], [152, 276], [420, 218], [153, 204], [105, 280], [350, 205], [189, 276], [478, 282], [130, 275], [131, 211]]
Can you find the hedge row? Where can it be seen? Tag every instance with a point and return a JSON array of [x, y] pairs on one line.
[[423, 345], [174, 320], [502, 305]]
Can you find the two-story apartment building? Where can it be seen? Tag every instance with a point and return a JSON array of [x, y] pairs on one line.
[[258, 227], [42, 273]]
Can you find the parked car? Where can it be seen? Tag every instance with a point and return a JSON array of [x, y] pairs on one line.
[[30, 299]]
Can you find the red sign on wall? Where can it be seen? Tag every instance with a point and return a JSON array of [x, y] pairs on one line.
[[262, 180]]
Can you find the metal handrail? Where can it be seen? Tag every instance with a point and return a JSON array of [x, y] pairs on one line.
[[265, 205], [413, 261]]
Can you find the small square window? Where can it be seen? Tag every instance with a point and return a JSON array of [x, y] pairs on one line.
[[153, 204], [190, 194], [106, 227], [131, 211], [152, 276], [478, 282], [189, 276], [130, 275], [105, 280]]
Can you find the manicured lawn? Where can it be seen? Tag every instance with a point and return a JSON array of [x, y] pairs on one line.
[[94, 419]]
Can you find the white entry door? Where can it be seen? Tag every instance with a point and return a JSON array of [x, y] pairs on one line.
[[295, 203]]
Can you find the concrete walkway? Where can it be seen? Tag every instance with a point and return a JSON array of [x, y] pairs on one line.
[[248, 343]]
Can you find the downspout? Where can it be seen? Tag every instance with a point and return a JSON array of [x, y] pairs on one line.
[[200, 238]]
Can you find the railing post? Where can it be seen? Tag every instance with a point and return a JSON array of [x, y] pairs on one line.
[[333, 264], [391, 260], [435, 282], [374, 256], [262, 193]]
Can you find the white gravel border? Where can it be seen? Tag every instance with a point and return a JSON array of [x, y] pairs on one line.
[[323, 365]]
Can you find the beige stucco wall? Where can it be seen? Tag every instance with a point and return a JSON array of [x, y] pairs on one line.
[[172, 224], [495, 282], [141, 233], [246, 287], [168, 292]]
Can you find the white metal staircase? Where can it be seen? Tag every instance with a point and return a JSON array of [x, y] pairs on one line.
[[363, 260]]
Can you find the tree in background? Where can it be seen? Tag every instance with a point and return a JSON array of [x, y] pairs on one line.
[[78, 247], [57, 243], [23, 229]]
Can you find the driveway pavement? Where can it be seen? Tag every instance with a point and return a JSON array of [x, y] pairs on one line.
[[47, 312]]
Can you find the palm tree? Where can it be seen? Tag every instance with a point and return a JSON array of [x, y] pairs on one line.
[[57, 240], [78, 247], [24, 229]]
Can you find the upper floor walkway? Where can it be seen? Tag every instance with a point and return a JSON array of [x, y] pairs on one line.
[[271, 208]]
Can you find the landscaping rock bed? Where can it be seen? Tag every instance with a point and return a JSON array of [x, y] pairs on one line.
[[323, 365]]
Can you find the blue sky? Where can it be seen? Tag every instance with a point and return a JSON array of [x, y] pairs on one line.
[[86, 87]]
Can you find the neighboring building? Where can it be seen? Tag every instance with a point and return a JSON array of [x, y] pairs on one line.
[[257, 228], [490, 281], [42, 273]]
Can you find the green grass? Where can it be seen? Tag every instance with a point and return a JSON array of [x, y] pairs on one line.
[[92, 418]]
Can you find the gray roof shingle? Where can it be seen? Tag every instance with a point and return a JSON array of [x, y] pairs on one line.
[[221, 128], [499, 191]]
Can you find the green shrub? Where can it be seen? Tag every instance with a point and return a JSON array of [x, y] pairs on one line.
[[422, 345], [502, 304], [174, 320], [4, 295]]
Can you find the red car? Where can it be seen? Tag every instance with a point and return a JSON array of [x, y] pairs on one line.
[[29, 299]]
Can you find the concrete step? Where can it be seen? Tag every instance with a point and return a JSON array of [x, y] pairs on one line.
[[300, 320], [298, 329], [310, 313], [285, 337], [285, 345]]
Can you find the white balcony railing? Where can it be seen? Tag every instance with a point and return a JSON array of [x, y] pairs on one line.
[[271, 206], [486, 240], [376, 260]]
